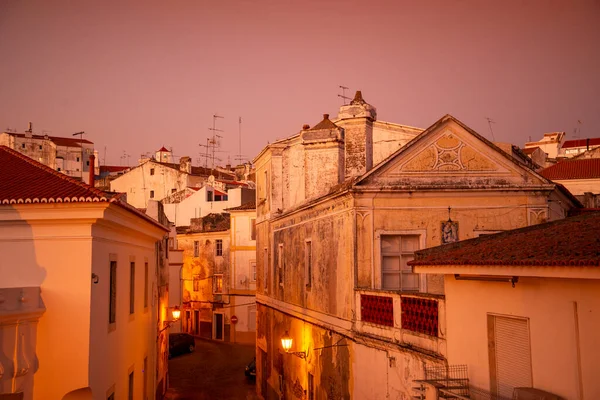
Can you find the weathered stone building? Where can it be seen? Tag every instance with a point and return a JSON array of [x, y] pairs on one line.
[[205, 276], [341, 209]]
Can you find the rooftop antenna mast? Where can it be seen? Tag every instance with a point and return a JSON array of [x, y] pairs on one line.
[[240, 157], [215, 136], [207, 147], [343, 95], [490, 122], [577, 129]]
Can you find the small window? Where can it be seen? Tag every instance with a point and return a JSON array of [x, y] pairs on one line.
[[253, 229], [219, 247], [112, 305], [196, 283], [209, 196], [146, 285], [23, 145], [265, 268], [131, 288], [308, 264], [396, 252], [130, 385], [152, 194], [280, 264], [145, 376], [173, 190], [87, 163], [77, 159], [218, 197], [196, 248], [218, 284], [253, 270], [151, 171], [58, 169], [40, 146]]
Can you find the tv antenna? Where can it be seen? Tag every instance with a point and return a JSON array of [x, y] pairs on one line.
[[343, 95], [577, 130], [240, 158], [214, 142], [490, 122]]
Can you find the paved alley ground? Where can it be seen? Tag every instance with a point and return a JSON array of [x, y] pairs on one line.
[[214, 371]]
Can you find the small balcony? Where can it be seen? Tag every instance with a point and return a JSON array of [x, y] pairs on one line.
[[415, 319]]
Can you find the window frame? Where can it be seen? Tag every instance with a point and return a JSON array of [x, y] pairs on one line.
[[280, 264], [196, 248], [219, 247], [112, 292], [152, 194], [218, 278], [308, 263], [196, 283], [377, 277], [146, 283], [252, 228], [131, 287]]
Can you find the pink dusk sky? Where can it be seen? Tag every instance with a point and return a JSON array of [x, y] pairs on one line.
[[137, 75]]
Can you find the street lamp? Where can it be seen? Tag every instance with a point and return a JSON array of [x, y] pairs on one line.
[[286, 343], [175, 313]]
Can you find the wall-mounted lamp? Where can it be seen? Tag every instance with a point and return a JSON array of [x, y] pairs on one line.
[[95, 278], [286, 343], [175, 313], [488, 278]]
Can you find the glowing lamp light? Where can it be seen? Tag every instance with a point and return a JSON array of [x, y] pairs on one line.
[[286, 342], [176, 313]]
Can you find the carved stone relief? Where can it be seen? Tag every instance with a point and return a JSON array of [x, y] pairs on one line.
[[449, 153]]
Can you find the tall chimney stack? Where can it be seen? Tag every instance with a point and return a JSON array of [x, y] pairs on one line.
[[92, 168]]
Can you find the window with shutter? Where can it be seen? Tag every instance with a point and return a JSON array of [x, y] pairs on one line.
[[510, 354]]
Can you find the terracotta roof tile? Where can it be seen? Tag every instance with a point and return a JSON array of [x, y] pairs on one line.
[[573, 241], [112, 168], [573, 169], [530, 150], [164, 150], [58, 140], [580, 143], [24, 180], [251, 205]]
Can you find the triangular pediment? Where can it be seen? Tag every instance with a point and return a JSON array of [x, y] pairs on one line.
[[449, 154]]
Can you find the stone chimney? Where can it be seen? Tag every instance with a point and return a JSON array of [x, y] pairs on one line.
[[29, 131], [357, 120], [185, 164]]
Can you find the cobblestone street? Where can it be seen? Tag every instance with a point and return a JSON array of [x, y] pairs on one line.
[[214, 371]]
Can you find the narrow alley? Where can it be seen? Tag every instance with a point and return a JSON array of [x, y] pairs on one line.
[[215, 370]]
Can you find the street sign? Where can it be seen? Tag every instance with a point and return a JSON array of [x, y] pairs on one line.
[[234, 319]]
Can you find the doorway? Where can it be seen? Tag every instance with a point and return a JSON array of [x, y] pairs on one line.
[[218, 323], [196, 322]]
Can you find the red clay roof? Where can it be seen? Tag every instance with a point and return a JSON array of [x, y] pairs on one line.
[[24, 180], [58, 140], [251, 205], [112, 168], [163, 149], [580, 143], [573, 241], [529, 150], [587, 168]]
